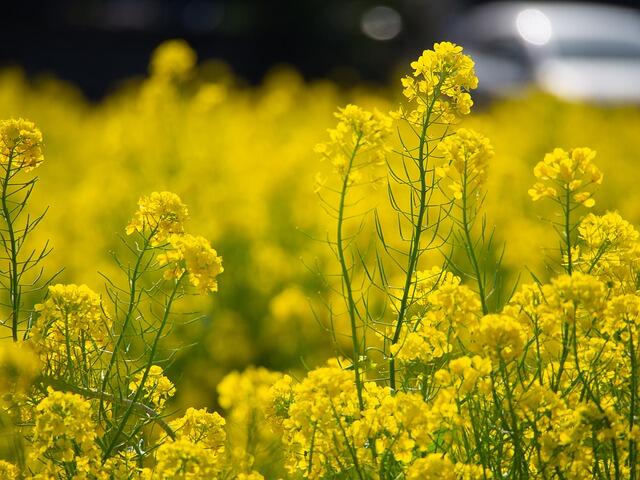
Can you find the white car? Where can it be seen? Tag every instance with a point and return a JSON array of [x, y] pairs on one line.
[[576, 51]]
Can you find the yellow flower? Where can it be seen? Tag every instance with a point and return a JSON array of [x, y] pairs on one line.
[[322, 404], [157, 388], [571, 173], [440, 85], [567, 292], [609, 250], [250, 476], [200, 426], [8, 470], [436, 466], [425, 345], [184, 460], [246, 397], [193, 255], [281, 396], [501, 337], [71, 321], [20, 143], [606, 231], [159, 215], [469, 371], [63, 427], [242, 392], [76, 306], [357, 132], [465, 157], [173, 59]]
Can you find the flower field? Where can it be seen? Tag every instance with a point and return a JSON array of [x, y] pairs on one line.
[[204, 279]]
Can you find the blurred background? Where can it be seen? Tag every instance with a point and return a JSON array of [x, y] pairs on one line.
[[96, 44], [233, 135]]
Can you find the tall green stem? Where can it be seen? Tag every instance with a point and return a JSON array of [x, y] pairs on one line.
[[14, 284], [567, 229], [346, 277], [414, 251], [145, 375], [133, 294], [466, 227], [633, 448]]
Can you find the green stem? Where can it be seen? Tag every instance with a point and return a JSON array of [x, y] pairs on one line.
[[145, 375], [567, 229], [14, 285], [346, 277], [414, 252], [594, 399], [466, 226], [565, 349], [133, 293], [633, 449], [520, 464]]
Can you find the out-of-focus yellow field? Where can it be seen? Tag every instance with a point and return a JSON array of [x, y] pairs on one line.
[[242, 158]]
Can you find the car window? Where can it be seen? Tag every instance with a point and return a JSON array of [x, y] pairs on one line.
[[589, 48], [505, 48]]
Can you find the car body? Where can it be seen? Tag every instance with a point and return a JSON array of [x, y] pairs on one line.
[[577, 51]]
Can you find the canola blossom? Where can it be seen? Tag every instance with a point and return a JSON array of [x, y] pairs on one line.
[[20, 145], [440, 365], [160, 214], [440, 84], [572, 172], [200, 261]]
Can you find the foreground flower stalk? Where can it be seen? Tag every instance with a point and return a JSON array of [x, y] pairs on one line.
[[20, 152]]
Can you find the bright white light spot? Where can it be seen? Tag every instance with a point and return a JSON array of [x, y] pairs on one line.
[[534, 26], [381, 23]]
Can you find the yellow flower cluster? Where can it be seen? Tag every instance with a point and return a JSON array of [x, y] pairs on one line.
[[8, 470], [249, 476], [467, 371], [326, 433], [20, 145], [567, 300], [526, 366], [279, 399], [183, 459], [442, 78], [425, 344], [64, 432], [174, 59], [193, 254], [159, 215], [246, 398], [609, 249], [437, 466], [244, 392], [465, 156], [200, 426], [448, 311], [426, 281], [71, 328], [358, 132], [157, 388], [567, 174], [321, 404], [198, 451], [501, 337]]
